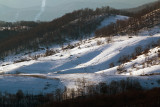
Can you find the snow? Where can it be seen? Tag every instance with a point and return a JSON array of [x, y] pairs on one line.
[[150, 31], [94, 78], [31, 85], [89, 60], [111, 19]]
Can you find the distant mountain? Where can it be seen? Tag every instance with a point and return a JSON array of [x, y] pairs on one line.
[[136, 9]]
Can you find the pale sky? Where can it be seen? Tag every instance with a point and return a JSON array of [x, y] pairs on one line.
[[30, 10], [31, 3]]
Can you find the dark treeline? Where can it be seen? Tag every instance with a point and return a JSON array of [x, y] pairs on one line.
[[148, 9], [84, 91], [117, 93], [76, 25], [146, 18], [8, 29], [134, 98], [19, 23]]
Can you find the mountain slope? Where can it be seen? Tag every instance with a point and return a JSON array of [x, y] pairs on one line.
[[93, 59], [90, 60], [87, 58]]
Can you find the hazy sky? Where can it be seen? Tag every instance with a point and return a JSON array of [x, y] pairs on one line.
[[31, 3], [51, 9]]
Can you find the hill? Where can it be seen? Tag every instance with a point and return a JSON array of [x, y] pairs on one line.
[[76, 25], [141, 7], [33, 58], [97, 60]]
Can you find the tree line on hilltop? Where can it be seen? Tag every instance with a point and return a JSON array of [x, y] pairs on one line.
[[76, 25]]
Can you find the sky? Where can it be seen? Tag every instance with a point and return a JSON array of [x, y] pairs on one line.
[[32, 3], [47, 10]]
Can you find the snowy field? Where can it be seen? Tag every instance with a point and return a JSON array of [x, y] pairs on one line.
[[32, 85], [90, 60]]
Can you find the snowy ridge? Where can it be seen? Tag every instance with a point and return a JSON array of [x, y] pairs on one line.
[[90, 57], [90, 60]]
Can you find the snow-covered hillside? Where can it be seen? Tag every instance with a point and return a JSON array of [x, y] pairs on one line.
[[90, 60], [95, 59]]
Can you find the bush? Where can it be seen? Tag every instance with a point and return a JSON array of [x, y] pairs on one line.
[[111, 65], [138, 50], [121, 69], [50, 52], [123, 59], [99, 42]]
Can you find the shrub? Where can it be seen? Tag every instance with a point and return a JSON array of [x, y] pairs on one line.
[[50, 52], [111, 65], [69, 46], [121, 69], [138, 50], [123, 59], [99, 42]]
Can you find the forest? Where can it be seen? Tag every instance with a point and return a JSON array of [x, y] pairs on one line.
[[9, 29], [127, 92], [146, 18], [76, 25]]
